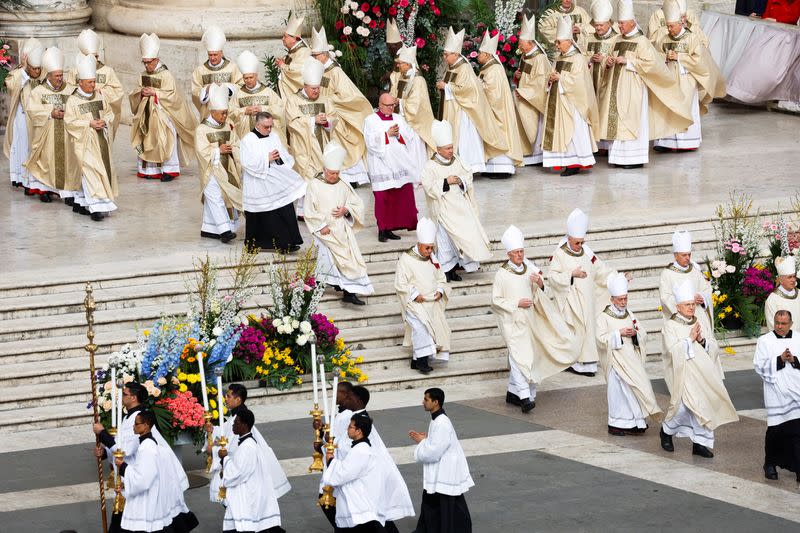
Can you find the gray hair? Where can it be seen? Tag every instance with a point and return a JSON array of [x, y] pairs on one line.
[[783, 312], [263, 115]]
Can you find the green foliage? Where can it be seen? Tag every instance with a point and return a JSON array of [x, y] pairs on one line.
[[271, 71], [237, 370]]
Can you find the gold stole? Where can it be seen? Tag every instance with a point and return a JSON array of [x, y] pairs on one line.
[[552, 99], [94, 107], [58, 100], [620, 49]]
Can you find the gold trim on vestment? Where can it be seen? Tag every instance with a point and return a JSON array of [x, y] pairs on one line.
[[782, 294], [258, 99], [216, 77], [257, 89], [438, 160], [151, 81], [100, 78], [506, 266], [552, 99], [612, 314], [415, 255], [57, 99], [621, 48], [680, 270], [569, 250], [681, 319], [222, 64], [94, 107]]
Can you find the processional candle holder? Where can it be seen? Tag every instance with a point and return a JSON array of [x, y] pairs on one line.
[[207, 416], [119, 499], [316, 457], [327, 500], [223, 490]]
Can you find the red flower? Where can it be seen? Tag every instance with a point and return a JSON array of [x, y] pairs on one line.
[[382, 24], [502, 59], [343, 38], [512, 63], [420, 42], [421, 2], [373, 24], [436, 11], [376, 10], [392, 11], [493, 33], [512, 39], [403, 3], [506, 47], [432, 37], [339, 25], [365, 7], [501, 38]]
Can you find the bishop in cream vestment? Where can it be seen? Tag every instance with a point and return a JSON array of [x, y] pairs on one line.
[[106, 83], [678, 272], [785, 295], [531, 95], [254, 96], [579, 18], [218, 69], [414, 103]]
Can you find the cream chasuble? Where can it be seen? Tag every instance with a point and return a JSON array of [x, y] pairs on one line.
[[92, 147], [52, 158], [532, 93], [579, 298], [692, 375], [351, 108], [19, 88], [266, 100], [498, 93], [621, 94], [415, 274], [225, 168], [657, 24], [673, 276], [321, 199], [468, 96], [780, 301], [415, 105], [291, 78], [540, 343], [603, 45], [548, 24], [107, 84], [455, 209], [626, 358], [307, 139], [571, 93], [206, 74], [694, 59], [151, 135]]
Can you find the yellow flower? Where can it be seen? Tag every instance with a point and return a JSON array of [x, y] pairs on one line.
[[283, 379], [212, 403], [215, 413], [342, 374], [275, 366], [360, 359], [759, 266], [659, 308], [212, 390], [183, 387], [362, 378], [729, 350], [736, 315], [728, 309], [298, 370], [721, 315], [299, 381], [181, 376], [146, 333]]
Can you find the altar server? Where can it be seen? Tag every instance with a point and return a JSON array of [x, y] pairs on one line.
[[784, 297], [297, 54], [333, 213], [133, 397], [680, 270], [51, 164], [269, 186], [106, 80], [217, 149], [235, 398], [356, 480], [89, 119], [640, 99], [254, 96], [414, 103], [539, 342], [218, 69], [19, 83], [571, 115], [696, 74], [447, 181], [575, 274], [153, 484], [251, 501], [163, 125], [393, 170], [422, 288], [776, 361], [446, 475], [622, 343], [477, 136], [699, 402], [530, 96]]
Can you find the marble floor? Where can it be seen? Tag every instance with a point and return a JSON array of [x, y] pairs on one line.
[[745, 149]]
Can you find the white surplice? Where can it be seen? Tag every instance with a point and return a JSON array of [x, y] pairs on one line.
[[356, 480], [392, 161], [781, 387], [266, 185], [445, 468]]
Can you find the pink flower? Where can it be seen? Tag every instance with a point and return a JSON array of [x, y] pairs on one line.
[[473, 54], [735, 248], [506, 47], [436, 11], [421, 2], [403, 3], [420, 42]]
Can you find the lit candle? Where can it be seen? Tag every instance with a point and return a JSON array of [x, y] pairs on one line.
[[324, 391], [113, 397], [119, 406], [203, 386], [334, 408], [314, 370], [220, 403]]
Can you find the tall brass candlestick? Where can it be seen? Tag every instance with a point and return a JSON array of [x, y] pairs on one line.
[[316, 457], [91, 348], [119, 499], [327, 500], [223, 490], [207, 416]]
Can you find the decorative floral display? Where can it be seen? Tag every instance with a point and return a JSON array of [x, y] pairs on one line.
[[783, 238], [758, 283], [6, 63], [506, 48]]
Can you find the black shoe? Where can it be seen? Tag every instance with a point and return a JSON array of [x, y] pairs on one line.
[[391, 235], [301, 218], [570, 171], [702, 451], [661, 149], [382, 236], [666, 441], [770, 472], [351, 298], [16, 184], [69, 201], [637, 431], [45, 197], [97, 217], [413, 364], [84, 211], [354, 184], [617, 432], [422, 366], [228, 236], [628, 167], [336, 288], [584, 374], [208, 235], [513, 399], [166, 177], [28, 192], [293, 248], [527, 405], [76, 208], [498, 176], [452, 276]]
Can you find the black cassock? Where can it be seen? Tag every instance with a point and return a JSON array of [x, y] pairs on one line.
[[440, 513]]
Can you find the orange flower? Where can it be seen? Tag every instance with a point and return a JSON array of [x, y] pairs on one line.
[[191, 359]]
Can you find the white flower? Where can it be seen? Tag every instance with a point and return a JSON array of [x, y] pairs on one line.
[[365, 32], [366, 19], [276, 323], [345, 10], [301, 340], [287, 320], [212, 343], [359, 14], [730, 269], [295, 324], [217, 331], [716, 274], [347, 30], [360, 30], [305, 327], [353, 6], [338, 53]]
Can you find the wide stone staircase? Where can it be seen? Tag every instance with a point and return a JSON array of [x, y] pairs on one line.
[[44, 379]]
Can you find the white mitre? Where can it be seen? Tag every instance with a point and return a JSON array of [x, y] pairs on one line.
[[454, 42], [214, 39], [513, 239], [333, 156], [408, 54], [602, 11], [672, 11], [88, 42], [248, 63], [625, 10], [312, 73], [218, 97], [564, 28], [442, 133], [489, 43], [426, 231], [392, 32], [527, 31], [786, 266], [53, 59], [149, 45], [684, 293], [86, 67], [617, 285], [293, 25], [681, 242], [577, 224]]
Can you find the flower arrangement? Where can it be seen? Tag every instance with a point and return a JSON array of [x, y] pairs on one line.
[[6, 63], [506, 48], [783, 239], [758, 283]]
